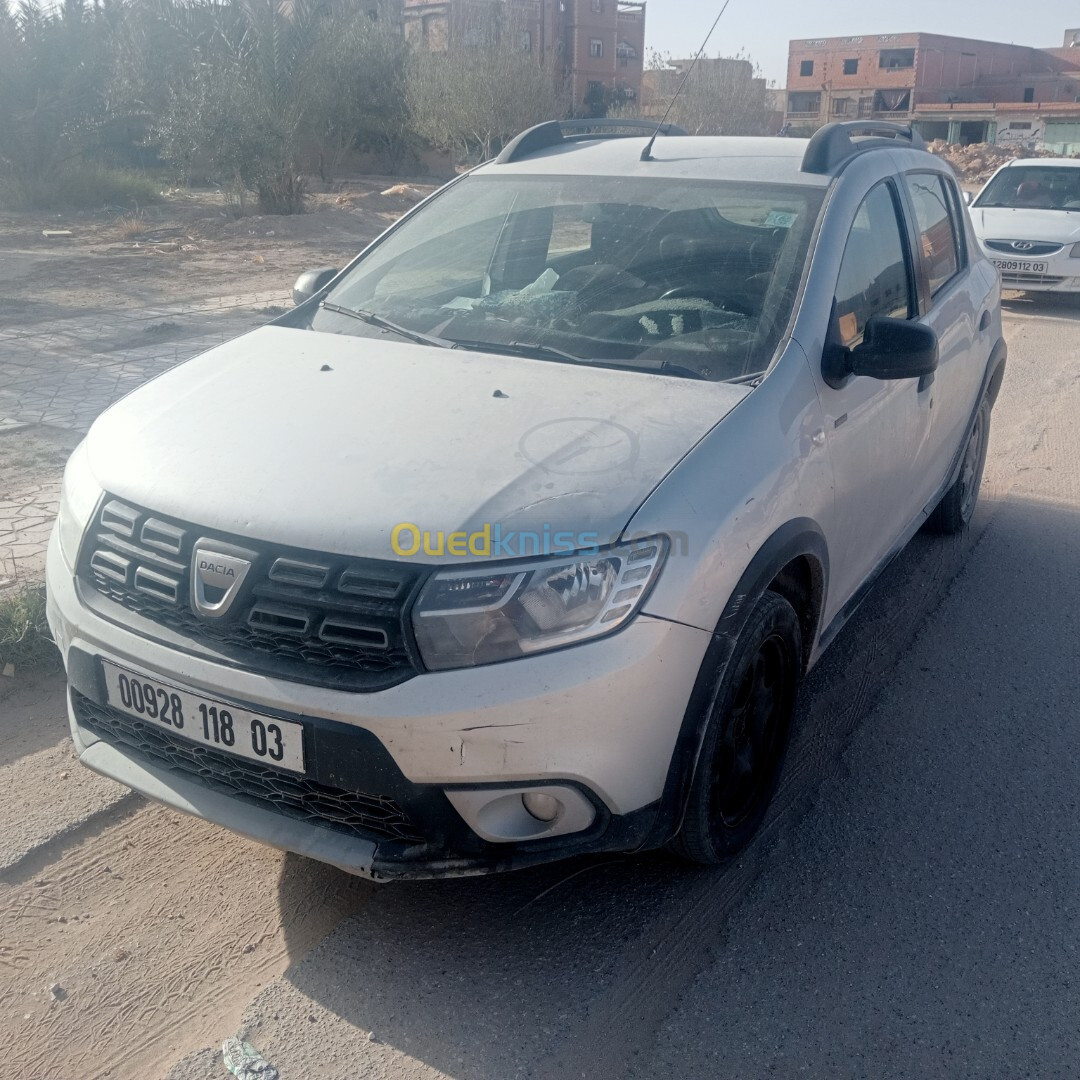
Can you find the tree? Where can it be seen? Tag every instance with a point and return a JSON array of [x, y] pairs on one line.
[[722, 96], [484, 89], [240, 108], [356, 96], [53, 71]]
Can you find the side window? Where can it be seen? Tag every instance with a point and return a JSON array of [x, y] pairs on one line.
[[937, 229], [874, 276]]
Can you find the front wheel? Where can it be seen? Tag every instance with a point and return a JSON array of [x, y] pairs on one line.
[[957, 506], [747, 734]]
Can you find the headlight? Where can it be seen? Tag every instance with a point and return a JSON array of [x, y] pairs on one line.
[[485, 614], [79, 495], [1074, 251]]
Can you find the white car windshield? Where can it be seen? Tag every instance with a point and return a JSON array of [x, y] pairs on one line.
[[687, 278], [1033, 187]]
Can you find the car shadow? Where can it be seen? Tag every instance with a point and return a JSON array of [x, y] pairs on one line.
[[1044, 304], [531, 972]]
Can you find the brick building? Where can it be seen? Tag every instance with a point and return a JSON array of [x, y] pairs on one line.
[[959, 89], [597, 45]]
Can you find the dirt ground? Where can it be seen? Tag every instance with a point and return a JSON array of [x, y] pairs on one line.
[[187, 246], [113, 965]]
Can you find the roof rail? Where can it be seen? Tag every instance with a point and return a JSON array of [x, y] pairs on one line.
[[552, 133], [833, 144]]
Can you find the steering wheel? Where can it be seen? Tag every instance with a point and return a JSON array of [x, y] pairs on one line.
[[685, 292], [691, 292]]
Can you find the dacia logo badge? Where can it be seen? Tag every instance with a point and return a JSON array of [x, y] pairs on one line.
[[217, 575]]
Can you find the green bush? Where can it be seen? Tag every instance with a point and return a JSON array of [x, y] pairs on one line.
[[25, 641], [81, 187]]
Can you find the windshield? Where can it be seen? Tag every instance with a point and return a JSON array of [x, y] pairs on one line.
[[686, 278], [1033, 187]]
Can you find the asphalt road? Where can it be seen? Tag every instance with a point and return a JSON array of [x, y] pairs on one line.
[[911, 909]]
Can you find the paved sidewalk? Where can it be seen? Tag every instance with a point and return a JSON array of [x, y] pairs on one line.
[[63, 374]]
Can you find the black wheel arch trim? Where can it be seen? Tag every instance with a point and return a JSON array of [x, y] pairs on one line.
[[799, 538], [993, 377]]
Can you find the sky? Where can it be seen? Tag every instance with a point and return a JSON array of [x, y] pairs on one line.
[[762, 28]]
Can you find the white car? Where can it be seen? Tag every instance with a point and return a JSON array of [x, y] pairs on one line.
[[515, 539], [1027, 221]]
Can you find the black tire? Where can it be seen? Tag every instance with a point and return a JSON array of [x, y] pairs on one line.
[[957, 506], [749, 727]]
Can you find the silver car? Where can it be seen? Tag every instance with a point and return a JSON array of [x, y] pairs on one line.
[[515, 538]]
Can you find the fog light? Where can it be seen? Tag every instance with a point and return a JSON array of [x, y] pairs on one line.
[[542, 807]]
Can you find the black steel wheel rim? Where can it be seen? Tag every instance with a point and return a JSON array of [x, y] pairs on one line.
[[748, 751]]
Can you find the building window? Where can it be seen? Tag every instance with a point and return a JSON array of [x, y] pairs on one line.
[[1029, 93], [596, 48], [866, 107], [526, 41], [1020, 125], [806, 67], [804, 104], [841, 106], [851, 67], [897, 58], [598, 5]]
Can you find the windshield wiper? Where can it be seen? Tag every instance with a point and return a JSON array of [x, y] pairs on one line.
[[385, 324], [535, 350], [531, 349]]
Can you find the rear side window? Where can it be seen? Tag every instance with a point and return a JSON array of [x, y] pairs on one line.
[[874, 277], [936, 226]]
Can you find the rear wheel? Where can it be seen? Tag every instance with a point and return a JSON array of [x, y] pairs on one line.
[[747, 734], [957, 506]]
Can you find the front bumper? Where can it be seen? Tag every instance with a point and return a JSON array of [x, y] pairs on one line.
[[1062, 273], [601, 719]]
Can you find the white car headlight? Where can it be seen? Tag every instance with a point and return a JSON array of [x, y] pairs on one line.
[[482, 615], [79, 495]]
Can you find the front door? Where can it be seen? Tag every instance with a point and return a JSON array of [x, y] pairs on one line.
[[877, 432]]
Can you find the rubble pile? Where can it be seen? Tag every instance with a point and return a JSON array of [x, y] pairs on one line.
[[977, 162]]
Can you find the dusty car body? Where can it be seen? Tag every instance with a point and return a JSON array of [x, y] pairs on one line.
[[516, 537]]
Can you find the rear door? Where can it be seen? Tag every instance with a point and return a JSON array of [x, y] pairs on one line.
[[955, 303]]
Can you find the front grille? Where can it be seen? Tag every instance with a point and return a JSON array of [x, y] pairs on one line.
[[314, 618], [364, 815], [1038, 247], [1023, 281]]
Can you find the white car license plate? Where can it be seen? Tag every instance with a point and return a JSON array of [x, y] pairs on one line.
[[1020, 265], [202, 720]]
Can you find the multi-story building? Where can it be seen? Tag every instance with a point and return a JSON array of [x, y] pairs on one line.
[[597, 45], [959, 89]]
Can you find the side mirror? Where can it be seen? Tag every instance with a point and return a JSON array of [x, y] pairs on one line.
[[311, 282], [894, 349], [968, 197]]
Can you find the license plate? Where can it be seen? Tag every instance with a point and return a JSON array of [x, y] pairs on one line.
[[1023, 267], [202, 720]]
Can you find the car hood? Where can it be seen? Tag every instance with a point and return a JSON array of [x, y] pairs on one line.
[[1053, 226], [327, 442]]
